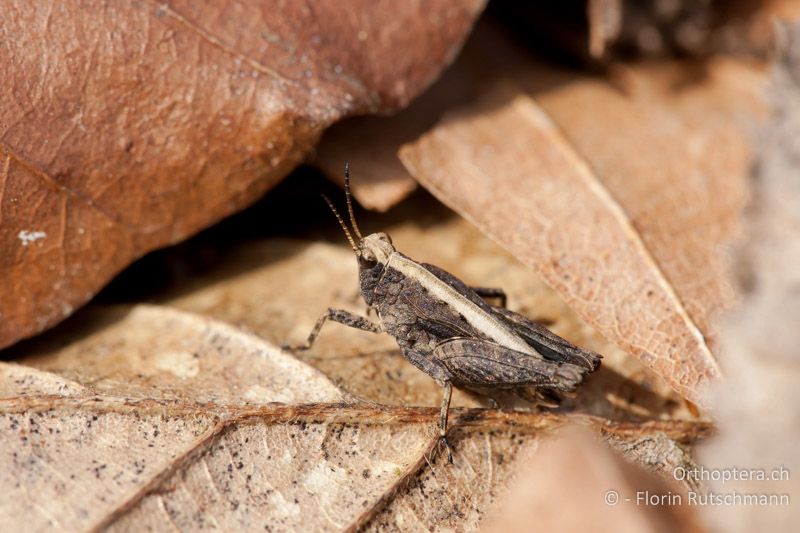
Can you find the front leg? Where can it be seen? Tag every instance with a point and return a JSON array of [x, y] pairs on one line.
[[491, 292], [341, 316]]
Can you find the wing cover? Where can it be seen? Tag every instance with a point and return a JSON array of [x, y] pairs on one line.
[[547, 343], [484, 363]]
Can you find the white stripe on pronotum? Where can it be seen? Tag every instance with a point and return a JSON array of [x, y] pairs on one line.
[[477, 317]]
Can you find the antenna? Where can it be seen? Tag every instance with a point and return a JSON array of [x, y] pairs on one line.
[[349, 201], [341, 223]]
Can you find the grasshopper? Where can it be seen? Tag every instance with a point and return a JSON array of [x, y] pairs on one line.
[[448, 330]]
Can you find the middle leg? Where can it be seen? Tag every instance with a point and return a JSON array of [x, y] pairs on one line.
[[492, 292]]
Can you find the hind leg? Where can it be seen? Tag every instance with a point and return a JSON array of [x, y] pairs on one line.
[[442, 377], [445, 410]]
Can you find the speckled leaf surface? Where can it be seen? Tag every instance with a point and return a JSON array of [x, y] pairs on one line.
[[122, 463]]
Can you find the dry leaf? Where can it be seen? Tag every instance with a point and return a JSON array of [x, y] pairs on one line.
[[380, 178], [620, 200], [156, 353], [370, 144], [128, 126], [573, 472], [149, 417]]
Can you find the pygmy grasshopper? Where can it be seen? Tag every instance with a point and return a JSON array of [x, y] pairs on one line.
[[447, 330]]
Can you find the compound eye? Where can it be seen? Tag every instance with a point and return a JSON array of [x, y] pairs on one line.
[[367, 260]]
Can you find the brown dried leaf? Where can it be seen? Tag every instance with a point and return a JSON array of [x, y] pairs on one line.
[[370, 143], [620, 200], [163, 418], [128, 126], [372, 154], [574, 469], [89, 426]]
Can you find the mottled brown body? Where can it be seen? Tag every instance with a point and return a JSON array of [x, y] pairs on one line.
[[447, 330], [439, 340], [416, 321]]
